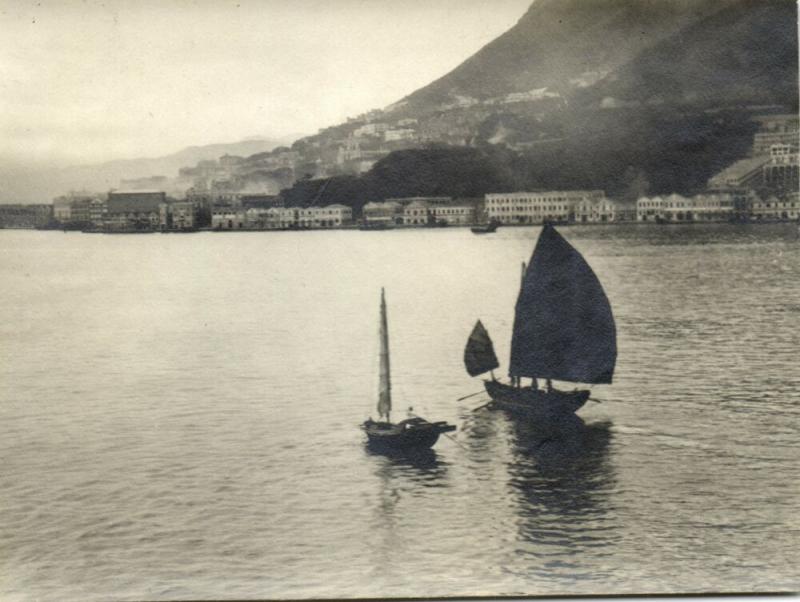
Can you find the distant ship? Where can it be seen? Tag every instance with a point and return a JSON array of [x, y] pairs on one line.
[[563, 330], [485, 228], [413, 433]]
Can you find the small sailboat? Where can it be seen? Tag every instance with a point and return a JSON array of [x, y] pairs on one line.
[[412, 433], [563, 330]]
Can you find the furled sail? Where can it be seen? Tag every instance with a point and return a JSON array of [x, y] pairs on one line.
[[563, 325], [385, 386], [479, 356]]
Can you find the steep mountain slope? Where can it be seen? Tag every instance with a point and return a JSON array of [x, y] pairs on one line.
[[746, 53], [570, 46]]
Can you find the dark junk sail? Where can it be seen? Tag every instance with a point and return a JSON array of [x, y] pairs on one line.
[[563, 325], [479, 356]]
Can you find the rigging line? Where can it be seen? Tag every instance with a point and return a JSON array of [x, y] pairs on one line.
[[480, 407], [477, 392]]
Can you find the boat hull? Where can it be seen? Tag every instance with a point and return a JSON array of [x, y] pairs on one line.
[[405, 435], [533, 403], [484, 228]]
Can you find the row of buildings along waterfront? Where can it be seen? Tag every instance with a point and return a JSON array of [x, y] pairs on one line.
[[421, 211], [154, 211], [281, 218], [676, 208], [763, 186], [582, 206]]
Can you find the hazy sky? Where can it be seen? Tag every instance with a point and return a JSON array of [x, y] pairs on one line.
[[91, 81]]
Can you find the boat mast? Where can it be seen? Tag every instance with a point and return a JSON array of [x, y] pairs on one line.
[[385, 386], [515, 380]]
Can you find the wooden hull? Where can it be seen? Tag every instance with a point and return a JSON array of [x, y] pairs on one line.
[[484, 229], [534, 403], [410, 434]]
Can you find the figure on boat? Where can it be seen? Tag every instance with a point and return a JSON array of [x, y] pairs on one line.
[[410, 434], [563, 330]]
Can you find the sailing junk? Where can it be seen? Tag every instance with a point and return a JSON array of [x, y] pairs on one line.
[[563, 330], [412, 433]]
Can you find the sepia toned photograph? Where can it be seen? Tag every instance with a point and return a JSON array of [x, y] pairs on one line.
[[367, 299]]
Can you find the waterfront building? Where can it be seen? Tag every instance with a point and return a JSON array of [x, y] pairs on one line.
[[281, 218], [776, 208], [537, 207], [25, 216], [420, 211], [331, 216], [742, 200], [134, 210], [77, 207], [416, 213], [178, 215], [453, 215], [89, 212], [256, 218], [228, 218], [677, 208], [384, 213], [336, 215], [649, 209], [588, 210]]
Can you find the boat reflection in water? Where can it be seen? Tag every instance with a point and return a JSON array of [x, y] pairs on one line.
[[413, 464], [563, 480], [560, 482]]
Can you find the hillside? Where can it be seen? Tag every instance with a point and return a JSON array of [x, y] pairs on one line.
[[616, 47], [39, 184]]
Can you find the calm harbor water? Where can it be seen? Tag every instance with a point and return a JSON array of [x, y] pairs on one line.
[[178, 418]]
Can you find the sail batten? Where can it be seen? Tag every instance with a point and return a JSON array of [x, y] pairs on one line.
[[385, 385], [479, 355], [563, 325]]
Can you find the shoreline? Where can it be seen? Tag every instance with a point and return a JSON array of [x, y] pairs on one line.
[[354, 227]]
